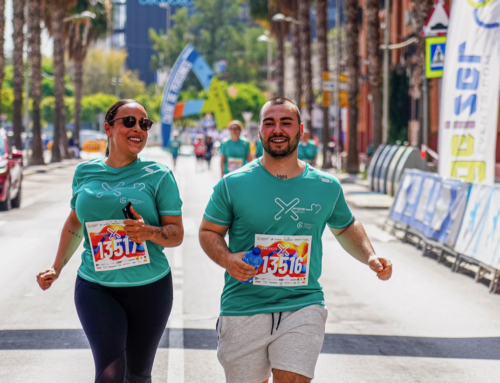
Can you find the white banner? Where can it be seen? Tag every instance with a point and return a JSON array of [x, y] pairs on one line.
[[469, 99]]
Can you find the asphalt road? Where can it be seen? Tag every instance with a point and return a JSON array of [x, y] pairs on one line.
[[425, 325]]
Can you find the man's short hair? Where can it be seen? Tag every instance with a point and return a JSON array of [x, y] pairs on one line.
[[281, 101]]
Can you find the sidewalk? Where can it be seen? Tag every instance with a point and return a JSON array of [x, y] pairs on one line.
[[359, 193], [51, 166]]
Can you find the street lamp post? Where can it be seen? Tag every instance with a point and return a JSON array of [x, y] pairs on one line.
[[269, 40], [116, 81]]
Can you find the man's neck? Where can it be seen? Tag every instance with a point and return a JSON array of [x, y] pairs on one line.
[[235, 139], [284, 168]]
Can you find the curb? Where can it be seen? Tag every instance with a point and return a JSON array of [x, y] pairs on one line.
[[49, 167]]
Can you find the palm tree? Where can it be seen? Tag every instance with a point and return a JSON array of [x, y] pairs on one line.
[[91, 20], [352, 67], [374, 67], [35, 9], [297, 73], [17, 61], [322, 26], [55, 18], [305, 42], [2, 32]]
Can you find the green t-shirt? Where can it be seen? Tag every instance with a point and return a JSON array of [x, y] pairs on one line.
[[174, 145], [308, 151], [252, 201], [235, 152], [100, 192], [259, 149]]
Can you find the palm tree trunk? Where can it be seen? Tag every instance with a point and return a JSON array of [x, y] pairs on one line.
[[36, 80], [374, 67], [2, 40], [17, 60], [78, 81], [280, 59], [352, 64], [59, 128], [297, 73], [305, 42], [321, 27]]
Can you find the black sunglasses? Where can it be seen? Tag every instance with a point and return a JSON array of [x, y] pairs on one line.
[[130, 121]]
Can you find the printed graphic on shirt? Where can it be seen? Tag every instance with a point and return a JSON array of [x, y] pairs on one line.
[[112, 249], [117, 190], [291, 209], [286, 260]]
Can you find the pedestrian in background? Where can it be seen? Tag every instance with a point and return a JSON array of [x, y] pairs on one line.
[[259, 149], [199, 151], [175, 145], [123, 291], [308, 151], [209, 146], [235, 151]]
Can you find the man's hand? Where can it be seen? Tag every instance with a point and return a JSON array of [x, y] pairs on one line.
[[237, 268], [382, 266], [137, 230]]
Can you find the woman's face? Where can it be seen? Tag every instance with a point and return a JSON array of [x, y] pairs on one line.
[[127, 140], [235, 132]]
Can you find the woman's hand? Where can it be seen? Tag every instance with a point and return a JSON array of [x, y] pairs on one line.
[[46, 278], [137, 230]]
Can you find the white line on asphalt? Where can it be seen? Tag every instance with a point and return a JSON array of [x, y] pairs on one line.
[[175, 371]]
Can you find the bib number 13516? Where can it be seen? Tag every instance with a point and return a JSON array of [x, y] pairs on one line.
[[282, 265], [112, 249]]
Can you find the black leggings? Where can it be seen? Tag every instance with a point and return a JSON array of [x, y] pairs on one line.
[[124, 326]]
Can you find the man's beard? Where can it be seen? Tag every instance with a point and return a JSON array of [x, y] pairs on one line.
[[281, 153]]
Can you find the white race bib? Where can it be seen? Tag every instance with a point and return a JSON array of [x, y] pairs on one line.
[[234, 164], [111, 247], [286, 260]]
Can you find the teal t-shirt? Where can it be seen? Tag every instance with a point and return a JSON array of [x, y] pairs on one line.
[[235, 152], [100, 192], [259, 149], [174, 144], [308, 151], [252, 201]]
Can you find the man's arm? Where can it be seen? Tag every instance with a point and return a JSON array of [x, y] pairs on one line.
[[354, 240], [213, 243]]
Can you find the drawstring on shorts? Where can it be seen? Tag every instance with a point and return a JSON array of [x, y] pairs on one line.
[[278, 325]]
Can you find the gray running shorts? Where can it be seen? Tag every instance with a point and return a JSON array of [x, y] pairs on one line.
[[248, 351]]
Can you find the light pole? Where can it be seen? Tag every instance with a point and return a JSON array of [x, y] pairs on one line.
[[116, 81], [167, 7], [385, 107], [265, 38]]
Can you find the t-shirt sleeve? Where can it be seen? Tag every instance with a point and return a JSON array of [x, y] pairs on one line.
[[74, 187], [222, 149], [315, 150], [219, 209], [168, 201], [341, 216], [247, 147]]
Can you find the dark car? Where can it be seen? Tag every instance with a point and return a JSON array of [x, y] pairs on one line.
[[11, 174]]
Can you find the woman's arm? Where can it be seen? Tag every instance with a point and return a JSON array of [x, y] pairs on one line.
[[169, 234], [222, 161], [71, 237]]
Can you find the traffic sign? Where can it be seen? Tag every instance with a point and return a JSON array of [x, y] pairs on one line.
[[329, 99], [438, 20], [435, 49]]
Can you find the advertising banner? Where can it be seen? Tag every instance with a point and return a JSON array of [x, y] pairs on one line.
[[400, 202], [469, 100]]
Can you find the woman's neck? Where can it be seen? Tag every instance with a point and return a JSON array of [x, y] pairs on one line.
[[119, 160]]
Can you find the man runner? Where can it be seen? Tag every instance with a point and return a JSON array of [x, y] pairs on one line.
[[276, 323]]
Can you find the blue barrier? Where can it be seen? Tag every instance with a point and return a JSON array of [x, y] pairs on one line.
[[400, 202]]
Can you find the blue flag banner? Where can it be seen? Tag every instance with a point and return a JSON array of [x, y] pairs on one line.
[[401, 200]]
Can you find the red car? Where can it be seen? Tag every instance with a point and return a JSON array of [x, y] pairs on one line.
[[11, 174]]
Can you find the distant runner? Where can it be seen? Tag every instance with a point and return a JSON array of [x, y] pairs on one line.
[[259, 150], [175, 145], [281, 206], [235, 151], [209, 147], [308, 151], [199, 151], [123, 291]]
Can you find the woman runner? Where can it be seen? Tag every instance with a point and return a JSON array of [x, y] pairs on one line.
[[123, 291]]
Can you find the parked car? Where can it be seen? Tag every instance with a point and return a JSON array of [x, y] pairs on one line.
[[11, 174]]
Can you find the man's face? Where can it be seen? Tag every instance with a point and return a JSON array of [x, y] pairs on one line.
[[279, 130]]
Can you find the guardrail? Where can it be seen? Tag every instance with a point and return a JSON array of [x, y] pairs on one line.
[[451, 218]]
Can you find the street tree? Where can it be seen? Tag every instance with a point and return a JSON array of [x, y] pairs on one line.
[[297, 72], [374, 67], [2, 40], [352, 68], [35, 8], [322, 27], [89, 21], [305, 42], [17, 59]]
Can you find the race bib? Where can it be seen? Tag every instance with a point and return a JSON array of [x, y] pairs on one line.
[[286, 260], [111, 247], [234, 164]]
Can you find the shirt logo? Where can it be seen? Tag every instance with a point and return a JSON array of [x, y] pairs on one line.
[[116, 190], [290, 208]]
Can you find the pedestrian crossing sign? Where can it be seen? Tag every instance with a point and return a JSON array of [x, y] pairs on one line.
[[435, 49]]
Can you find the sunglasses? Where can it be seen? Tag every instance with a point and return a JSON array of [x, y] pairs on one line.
[[130, 121]]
